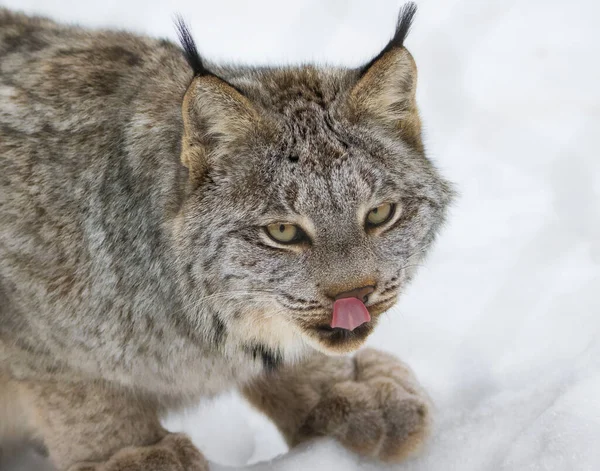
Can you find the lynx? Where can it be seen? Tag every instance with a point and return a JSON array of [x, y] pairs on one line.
[[171, 229]]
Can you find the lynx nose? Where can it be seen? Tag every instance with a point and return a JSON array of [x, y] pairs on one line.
[[360, 293]]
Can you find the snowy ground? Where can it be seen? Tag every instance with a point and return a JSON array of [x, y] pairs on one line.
[[503, 323]]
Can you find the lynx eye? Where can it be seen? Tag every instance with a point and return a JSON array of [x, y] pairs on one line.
[[381, 214], [285, 233]]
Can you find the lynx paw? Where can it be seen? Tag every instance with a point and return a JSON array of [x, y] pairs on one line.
[[175, 452], [382, 412]]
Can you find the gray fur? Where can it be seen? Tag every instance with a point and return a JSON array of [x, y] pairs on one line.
[[123, 262]]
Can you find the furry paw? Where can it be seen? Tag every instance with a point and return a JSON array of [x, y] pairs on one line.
[[175, 452], [382, 412]]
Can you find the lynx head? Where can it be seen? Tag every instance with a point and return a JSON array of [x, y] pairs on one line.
[[310, 197]]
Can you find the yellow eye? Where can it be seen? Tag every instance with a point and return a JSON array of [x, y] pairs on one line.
[[284, 233], [381, 214]]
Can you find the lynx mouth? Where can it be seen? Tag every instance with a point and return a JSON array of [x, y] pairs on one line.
[[340, 340], [337, 334]]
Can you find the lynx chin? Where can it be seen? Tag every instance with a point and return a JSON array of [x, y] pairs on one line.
[[171, 229]]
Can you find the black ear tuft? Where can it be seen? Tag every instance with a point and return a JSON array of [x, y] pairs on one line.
[[405, 19], [189, 48]]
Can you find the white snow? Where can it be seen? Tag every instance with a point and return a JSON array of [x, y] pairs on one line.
[[502, 324]]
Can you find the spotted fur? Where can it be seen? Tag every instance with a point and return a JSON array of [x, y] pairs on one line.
[[135, 186]]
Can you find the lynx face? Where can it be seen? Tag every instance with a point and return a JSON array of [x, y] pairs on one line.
[[311, 200]]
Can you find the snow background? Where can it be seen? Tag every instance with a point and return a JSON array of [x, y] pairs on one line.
[[502, 325]]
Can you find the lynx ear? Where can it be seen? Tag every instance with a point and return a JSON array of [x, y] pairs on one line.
[[385, 91], [214, 112], [214, 116]]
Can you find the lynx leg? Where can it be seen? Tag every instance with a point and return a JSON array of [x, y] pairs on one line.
[[90, 427], [371, 403]]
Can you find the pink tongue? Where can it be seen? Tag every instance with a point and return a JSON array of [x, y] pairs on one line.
[[349, 313]]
